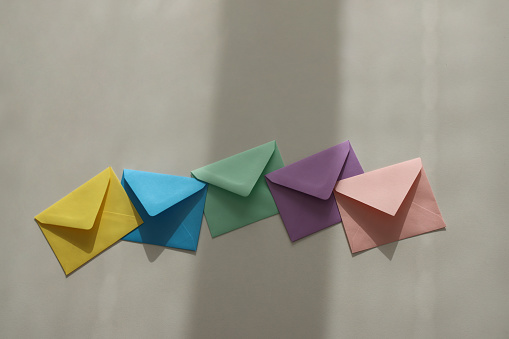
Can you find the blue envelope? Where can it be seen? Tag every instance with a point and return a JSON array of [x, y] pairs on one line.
[[171, 208]]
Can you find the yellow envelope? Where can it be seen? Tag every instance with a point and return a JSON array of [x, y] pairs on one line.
[[90, 219]]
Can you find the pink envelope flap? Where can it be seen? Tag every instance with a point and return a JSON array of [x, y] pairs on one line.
[[315, 175], [384, 188]]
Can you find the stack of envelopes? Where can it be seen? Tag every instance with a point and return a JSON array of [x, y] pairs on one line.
[[319, 191]]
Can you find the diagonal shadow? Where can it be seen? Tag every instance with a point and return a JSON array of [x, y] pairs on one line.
[[161, 227], [277, 80], [83, 239], [378, 233], [83, 265], [387, 228]]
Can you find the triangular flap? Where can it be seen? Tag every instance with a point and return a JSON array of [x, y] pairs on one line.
[[238, 173], [384, 188], [158, 192], [79, 208], [315, 175]]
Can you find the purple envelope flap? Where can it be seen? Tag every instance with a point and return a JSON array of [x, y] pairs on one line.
[[315, 175]]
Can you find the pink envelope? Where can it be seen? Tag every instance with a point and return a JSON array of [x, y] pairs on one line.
[[386, 205]]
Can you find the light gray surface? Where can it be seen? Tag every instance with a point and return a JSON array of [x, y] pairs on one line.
[[169, 86]]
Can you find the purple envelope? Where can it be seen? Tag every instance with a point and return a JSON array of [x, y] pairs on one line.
[[303, 190]]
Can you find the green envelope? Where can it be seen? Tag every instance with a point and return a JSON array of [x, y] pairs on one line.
[[238, 194]]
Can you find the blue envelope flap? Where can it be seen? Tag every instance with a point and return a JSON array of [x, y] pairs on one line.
[[315, 175], [158, 192]]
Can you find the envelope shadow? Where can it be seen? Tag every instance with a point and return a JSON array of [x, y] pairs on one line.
[[154, 251], [159, 229], [387, 249], [85, 264], [378, 233], [83, 239]]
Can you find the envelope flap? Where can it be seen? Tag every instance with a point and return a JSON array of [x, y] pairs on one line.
[[383, 189], [79, 208], [315, 175], [158, 192], [238, 173]]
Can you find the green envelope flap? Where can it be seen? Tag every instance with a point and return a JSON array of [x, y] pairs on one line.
[[239, 173]]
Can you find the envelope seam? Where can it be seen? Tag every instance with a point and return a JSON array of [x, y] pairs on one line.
[[127, 215], [424, 208], [355, 234], [192, 238]]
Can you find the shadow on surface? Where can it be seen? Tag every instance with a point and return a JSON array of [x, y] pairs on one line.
[[165, 229], [389, 249], [154, 251], [277, 80], [82, 238]]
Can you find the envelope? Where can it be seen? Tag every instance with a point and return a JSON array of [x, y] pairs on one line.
[[303, 190], [238, 194], [171, 208], [88, 220], [386, 205]]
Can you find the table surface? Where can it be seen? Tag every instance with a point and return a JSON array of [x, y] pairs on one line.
[[170, 86]]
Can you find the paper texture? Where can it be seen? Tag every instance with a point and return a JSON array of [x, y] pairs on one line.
[[238, 194], [171, 208], [386, 205], [88, 220], [303, 190]]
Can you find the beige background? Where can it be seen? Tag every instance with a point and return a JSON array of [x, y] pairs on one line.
[[169, 86]]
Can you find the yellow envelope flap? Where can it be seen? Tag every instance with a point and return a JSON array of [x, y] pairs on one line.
[[238, 173], [79, 208], [384, 189]]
